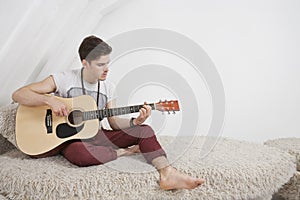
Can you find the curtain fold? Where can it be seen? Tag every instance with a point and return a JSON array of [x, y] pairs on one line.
[[44, 38]]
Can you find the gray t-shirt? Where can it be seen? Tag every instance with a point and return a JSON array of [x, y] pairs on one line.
[[68, 84]]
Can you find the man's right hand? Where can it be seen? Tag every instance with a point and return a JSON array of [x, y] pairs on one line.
[[58, 107]]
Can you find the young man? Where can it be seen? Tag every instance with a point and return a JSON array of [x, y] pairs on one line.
[[126, 138]]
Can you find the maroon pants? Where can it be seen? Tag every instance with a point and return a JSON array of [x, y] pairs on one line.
[[101, 148]]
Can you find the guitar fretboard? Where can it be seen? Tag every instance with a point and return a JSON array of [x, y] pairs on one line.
[[101, 114]]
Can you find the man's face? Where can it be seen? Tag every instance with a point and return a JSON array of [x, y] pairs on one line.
[[99, 67]]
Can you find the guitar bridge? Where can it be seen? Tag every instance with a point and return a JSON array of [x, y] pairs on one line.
[[48, 121]]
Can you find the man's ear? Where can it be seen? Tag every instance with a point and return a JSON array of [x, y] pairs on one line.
[[84, 63]]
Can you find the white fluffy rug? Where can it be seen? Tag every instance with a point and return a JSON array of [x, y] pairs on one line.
[[7, 122], [233, 170], [291, 190], [291, 145], [5, 145]]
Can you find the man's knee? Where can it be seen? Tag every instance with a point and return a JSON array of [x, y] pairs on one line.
[[78, 154], [146, 131]]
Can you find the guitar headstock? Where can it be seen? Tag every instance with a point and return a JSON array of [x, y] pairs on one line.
[[168, 106]]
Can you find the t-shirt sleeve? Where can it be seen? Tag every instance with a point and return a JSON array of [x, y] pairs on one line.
[[60, 80]]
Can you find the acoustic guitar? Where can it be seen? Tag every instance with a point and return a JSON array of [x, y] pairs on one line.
[[39, 130]]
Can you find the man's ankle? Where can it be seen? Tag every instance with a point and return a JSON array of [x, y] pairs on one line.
[[160, 162]]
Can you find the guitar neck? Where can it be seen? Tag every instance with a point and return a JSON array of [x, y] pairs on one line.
[[101, 114]]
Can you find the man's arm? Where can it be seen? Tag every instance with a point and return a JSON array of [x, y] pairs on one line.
[[117, 123], [34, 95]]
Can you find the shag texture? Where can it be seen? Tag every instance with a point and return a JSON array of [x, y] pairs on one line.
[[232, 169], [291, 190], [7, 122], [2, 197], [291, 145], [5, 145]]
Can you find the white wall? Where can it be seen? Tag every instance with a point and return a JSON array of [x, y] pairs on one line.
[[254, 45]]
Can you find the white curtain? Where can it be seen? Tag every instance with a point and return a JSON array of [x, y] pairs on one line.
[[42, 36]]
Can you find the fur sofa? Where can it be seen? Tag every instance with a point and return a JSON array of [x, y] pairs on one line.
[[290, 190], [233, 170]]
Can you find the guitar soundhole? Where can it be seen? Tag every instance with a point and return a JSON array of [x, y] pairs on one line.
[[75, 117]]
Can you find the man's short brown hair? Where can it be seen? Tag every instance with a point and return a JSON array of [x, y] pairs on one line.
[[92, 48]]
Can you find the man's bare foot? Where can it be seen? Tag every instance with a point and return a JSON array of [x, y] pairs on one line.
[[128, 151], [134, 149], [171, 179]]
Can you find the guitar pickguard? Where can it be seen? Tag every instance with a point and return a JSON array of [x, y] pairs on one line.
[[64, 130]]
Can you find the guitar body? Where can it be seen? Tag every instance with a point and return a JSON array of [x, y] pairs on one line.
[[38, 130]]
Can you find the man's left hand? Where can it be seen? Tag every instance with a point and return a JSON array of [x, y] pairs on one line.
[[145, 112]]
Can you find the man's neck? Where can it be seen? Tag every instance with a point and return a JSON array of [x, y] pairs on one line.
[[88, 78]]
